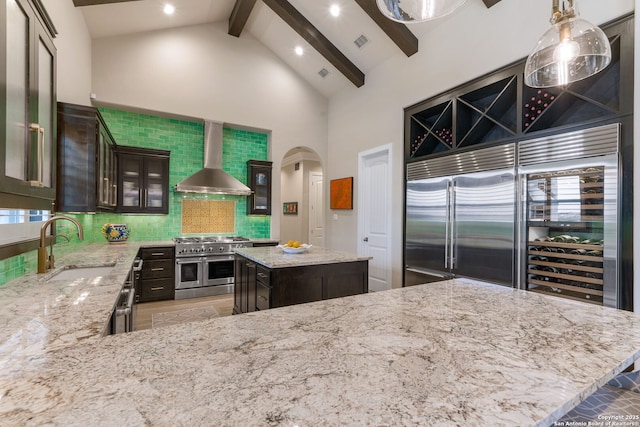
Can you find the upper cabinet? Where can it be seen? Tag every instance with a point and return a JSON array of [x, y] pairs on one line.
[[259, 180], [143, 180], [27, 94], [87, 168], [500, 108]]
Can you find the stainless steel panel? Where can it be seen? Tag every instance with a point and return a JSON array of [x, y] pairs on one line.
[[484, 226], [426, 223], [493, 158], [584, 143]]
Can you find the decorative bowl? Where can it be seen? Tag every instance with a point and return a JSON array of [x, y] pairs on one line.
[[291, 250], [115, 233]]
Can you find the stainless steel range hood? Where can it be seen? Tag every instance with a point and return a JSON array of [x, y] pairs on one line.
[[212, 179]]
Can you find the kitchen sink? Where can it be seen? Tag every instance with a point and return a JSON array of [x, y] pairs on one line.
[[83, 273]]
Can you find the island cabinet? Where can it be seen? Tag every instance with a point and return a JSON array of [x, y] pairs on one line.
[[259, 287], [87, 167]]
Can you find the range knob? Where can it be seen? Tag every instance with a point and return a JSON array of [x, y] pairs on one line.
[[221, 248]]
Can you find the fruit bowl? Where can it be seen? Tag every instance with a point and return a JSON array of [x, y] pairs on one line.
[[292, 250]]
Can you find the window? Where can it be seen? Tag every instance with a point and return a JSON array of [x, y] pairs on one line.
[[18, 225]]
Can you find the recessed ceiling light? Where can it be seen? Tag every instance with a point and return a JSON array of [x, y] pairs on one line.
[[299, 50], [334, 10], [169, 9]]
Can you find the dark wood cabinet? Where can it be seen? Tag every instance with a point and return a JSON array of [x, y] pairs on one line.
[[143, 180], [244, 289], [156, 280], [259, 181], [499, 108], [28, 98], [87, 167], [260, 288]]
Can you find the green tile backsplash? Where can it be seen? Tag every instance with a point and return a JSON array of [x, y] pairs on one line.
[[185, 141]]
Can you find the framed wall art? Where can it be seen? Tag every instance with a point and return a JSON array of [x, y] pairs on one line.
[[341, 193], [290, 208]]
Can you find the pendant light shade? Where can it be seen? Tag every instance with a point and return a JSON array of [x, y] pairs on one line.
[[571, 50], [414, 11]]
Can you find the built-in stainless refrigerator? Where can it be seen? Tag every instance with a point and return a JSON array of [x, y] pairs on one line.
[[568, 191], [460, 216]]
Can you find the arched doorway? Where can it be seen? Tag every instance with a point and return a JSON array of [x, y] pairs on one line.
[[302, 195]]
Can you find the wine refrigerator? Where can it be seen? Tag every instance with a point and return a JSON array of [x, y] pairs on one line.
[[568, 191]]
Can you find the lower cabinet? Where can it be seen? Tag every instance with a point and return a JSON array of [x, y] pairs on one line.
[[156, 282], [260, 288]]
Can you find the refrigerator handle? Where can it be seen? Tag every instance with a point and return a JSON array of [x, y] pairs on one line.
[[452, 219], [447, 226]]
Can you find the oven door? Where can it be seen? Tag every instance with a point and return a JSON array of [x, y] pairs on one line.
[[219, 270], [189, 272]]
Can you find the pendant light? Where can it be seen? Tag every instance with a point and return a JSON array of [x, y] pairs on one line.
[[571, 50], [413, 11]]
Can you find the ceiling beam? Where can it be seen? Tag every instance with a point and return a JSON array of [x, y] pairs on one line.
[[316, 39], [239, 16], [490, 3], [397, 32], [79, 3]]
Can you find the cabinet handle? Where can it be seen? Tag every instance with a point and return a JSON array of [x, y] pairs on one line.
[[157, 254], [105, 182], [262, 275], [251, 265], [159, 288], [38, 182], [114, 200], [146, 197], [262, 298], [157, 269]]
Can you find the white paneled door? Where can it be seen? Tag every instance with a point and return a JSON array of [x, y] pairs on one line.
[[316, 210], [374, 214]]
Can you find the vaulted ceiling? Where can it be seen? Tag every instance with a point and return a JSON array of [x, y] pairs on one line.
[[332, 59]]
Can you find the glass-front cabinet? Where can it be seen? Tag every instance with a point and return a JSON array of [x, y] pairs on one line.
[[27, 168], [143, 180], [87, 167], [259, 180], [571, 231]]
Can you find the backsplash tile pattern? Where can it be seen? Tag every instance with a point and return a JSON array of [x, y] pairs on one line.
[[208, 216], [185, 141]]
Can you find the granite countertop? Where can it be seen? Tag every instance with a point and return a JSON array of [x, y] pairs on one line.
[[450, 353], [274, 257]]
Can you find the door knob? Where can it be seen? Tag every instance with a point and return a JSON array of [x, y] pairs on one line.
[[366, 239]]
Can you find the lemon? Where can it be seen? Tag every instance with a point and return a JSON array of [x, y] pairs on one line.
[[290, 243], [296, 244]]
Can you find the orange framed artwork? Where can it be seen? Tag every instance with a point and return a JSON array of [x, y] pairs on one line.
[[341, 194]]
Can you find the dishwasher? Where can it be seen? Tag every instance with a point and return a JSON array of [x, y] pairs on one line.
[[123, 316]]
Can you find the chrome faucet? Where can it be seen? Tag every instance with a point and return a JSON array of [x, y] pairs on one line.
[[47, 262]]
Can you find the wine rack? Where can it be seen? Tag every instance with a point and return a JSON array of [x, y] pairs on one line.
[[572, 269], [574, 195], [569, 205]]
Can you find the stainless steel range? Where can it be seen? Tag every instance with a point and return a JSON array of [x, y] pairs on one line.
[[204, 265]]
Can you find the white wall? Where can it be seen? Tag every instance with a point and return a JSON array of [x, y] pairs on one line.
[[360, 119], [73, 45], [200, 71], [291, 225]]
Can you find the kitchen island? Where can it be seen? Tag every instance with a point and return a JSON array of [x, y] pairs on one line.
[[267, 277], [452, 353]]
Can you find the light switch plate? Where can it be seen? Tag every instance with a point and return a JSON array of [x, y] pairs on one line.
[[335, 217]]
